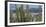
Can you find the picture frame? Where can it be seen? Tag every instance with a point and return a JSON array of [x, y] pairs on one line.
[[12, 4]]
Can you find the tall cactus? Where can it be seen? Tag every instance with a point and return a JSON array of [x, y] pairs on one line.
[[17, 13], [22, 14]]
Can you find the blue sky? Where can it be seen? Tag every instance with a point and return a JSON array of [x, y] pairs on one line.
[[13, 7]]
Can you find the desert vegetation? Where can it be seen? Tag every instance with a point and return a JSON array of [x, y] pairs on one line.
[[24, 15]]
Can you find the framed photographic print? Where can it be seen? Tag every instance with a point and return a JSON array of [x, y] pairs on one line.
[[24, 13]]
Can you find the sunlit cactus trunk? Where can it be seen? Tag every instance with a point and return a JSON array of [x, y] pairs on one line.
[[17, 14], [21, 13]]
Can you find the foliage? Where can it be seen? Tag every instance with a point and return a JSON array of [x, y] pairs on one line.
[[38, 18], [23, 18]]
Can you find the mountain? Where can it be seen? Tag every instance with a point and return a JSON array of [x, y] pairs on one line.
[[35, 10]]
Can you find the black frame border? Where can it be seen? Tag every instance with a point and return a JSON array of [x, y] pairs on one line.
[[22, 2]]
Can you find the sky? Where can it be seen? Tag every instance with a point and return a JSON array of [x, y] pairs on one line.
[[13, 6]]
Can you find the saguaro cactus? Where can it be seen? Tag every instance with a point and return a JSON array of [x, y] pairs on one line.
[[17, 14], [21, 13]]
